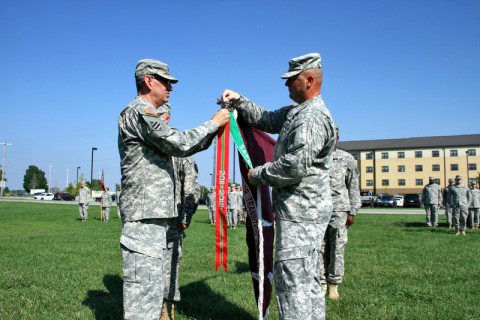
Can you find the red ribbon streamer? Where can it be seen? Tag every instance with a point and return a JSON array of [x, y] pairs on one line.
[[221, 196]]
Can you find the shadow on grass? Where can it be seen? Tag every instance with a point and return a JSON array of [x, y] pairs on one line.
[[199, 302], [422, 227], [241, 267], [107, 305]]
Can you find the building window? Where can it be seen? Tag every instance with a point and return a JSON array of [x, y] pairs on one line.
[[369, 183], [369, 169], [435, 167], [418, 154], [355, 156], [384, 182], [472, 152], [472, 166], [401, 154], [384, 155], [401, 182], [454, 167], [369, 155], [418, 168], [401, 168], [384, 168], [435, 154], [453, 153], [419, 182]]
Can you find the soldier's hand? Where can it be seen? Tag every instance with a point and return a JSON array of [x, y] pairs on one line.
[[221, 117], [250, 173], [230, 96], [350, 220]]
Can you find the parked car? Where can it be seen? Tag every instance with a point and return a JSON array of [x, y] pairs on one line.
[[412, 200], [399, 199], [202, 200], [64, 196], [386, 201], [44, 196]]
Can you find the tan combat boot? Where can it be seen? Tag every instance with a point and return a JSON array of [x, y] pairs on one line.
[[325, 289], [333, 292], [464, 233], [168, 312]]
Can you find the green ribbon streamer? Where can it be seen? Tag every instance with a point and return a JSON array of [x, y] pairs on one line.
[[237, 137]]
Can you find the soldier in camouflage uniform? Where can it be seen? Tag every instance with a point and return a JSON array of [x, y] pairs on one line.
[[346, 202], [474, 206], [460, 202], [447, 203], [83, 202], [211, 205], [299, 175], [187, 194], [431, 198], [146, 146], [106, 203], [232, 210], [240, 205]]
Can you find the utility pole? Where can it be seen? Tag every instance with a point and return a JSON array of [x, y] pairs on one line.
[[2, 186], [91, 167]]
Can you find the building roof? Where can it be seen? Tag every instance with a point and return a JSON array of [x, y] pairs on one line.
[[412, 143]]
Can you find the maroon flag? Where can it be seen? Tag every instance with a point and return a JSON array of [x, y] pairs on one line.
[[260, 147]]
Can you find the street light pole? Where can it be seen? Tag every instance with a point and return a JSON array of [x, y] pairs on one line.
[[49, 178], [91, 167], [66, 185], [2, 186], [77, 175]]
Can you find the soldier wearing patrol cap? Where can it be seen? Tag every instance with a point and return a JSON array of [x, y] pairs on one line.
[[474, 208], [447, 203], [299, 176], [146, 146], [431, 198], [344, 183], [460, 202]]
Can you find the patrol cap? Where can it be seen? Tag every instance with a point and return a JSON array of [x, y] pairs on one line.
[[458, 177], [152, 66], [431, 178], [302, 63], [164, 108], [450, 180], [337, 128]]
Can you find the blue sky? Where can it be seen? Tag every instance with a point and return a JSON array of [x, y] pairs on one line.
[[392, 69]]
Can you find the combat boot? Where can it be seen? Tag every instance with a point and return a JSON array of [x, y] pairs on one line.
[[325, 289], [464, 233], [167, 311], [333, 292]]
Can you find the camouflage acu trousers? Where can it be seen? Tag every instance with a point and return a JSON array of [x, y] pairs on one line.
[[449, 214], [105, 213], [431, 215], [232, 217], [473, 217], [460, 217], [173, 255], [297, 282], [83, 209], [332, 251], [211, 214]]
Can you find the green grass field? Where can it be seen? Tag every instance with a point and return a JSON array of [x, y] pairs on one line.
[[52, 266]]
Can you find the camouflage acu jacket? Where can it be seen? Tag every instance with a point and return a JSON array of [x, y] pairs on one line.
[[344, 183]]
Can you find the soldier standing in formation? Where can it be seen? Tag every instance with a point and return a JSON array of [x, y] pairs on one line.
[[187, 194], [346, 202], [431, 198], [232, 211], [474, 206], [117, 200], [447, 199], [83, 201], [146, 146], [106, 203], [211, 205], [240, 205], [460, 202], [301, 186]]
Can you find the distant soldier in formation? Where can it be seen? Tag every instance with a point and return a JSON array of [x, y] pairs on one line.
[[240, 205], [211, 205], [346, 200], [431, 198], [474, 206], [447, 199], [187, 194], [232, 208], [460, 202], [117, 200], [83, 201], [106, 203]]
